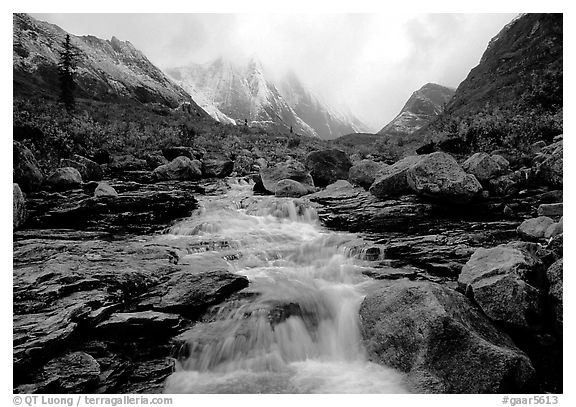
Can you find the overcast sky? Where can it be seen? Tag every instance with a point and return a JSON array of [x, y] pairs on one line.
[[370, 62]]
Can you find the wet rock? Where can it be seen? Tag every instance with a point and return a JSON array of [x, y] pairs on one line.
[[26, 171], [328, 166], [180, 168], [555, 297], [535, 228], [189, 293], [505, 283], [364, 172], [290, 169], [75, 372], [104, 189], [146, 323], [19, 214], [89, 170], [390, 273], [122, 163], [292, 189], [392, 181], [483, 167], [215, 166], [64, 178], [439, 176], [440, 340], [170, 153], [554, 209]]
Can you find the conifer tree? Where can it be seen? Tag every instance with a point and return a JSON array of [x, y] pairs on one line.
[[67, 70]]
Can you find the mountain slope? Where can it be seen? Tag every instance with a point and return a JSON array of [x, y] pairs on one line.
[[235, 92], [420, 109], [107, 69], [522, 63]]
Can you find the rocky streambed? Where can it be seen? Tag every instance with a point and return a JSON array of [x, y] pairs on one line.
[[201, 286]]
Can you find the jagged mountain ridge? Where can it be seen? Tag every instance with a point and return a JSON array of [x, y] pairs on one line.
[[235, 92], [107, 69], [421, 108]]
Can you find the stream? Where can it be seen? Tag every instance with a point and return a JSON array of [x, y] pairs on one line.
[[296, 328]]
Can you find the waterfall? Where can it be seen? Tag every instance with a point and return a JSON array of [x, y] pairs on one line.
[[296, 329]]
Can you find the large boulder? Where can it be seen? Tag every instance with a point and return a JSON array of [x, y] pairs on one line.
[[552, 209], [550, 166], [292, 189], [535, 228], [19, 207], [328, 166], [155, 160], [439, 176], [181, 168], [505, 282], [443, 343], [555, 229], [26, 171], [555, 298], [364, 172], [290, 169], [484, 167], [216, 166], [64, 178], [90, 170], [392, 180]]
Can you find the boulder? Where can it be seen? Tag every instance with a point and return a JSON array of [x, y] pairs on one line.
[[328, 166], [363, 173], [512, 183], [181, 168], [19, 214], [74, 372], [502, 162], [440, 340], [553, 209], [439, 176], [26, 171], [555, 229], [91, 170], [289, 169], [556, 245], [483, 167], [555, 298], [104, 189], [505, 283], [392, 180], [215, 166], [535, 228], [64, 178], [292, 189]]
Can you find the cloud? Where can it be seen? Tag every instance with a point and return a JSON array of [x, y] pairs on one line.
[[370, 62]]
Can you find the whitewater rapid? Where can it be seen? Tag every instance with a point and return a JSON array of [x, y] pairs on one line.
[[296, 328]]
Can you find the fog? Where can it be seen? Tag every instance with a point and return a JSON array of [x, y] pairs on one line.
[[370, 62]]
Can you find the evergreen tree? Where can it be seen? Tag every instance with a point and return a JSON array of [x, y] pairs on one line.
[[67, 70]]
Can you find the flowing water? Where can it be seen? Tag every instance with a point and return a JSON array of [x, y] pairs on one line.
[[296, 328]]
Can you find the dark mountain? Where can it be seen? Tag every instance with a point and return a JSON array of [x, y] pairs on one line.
[[108, 70], [523, 62], [422, 107], [514, 96]]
